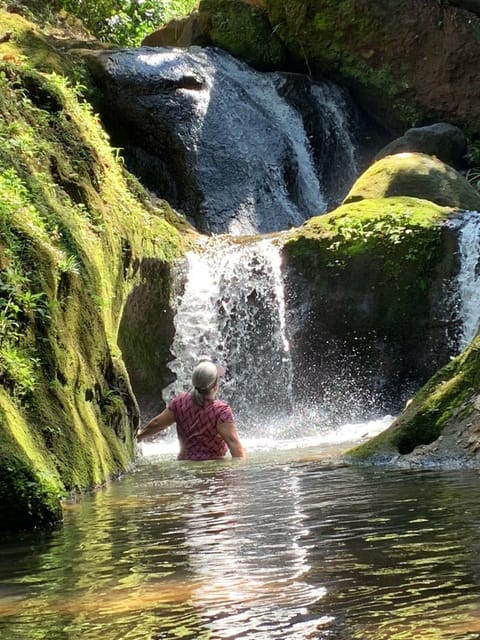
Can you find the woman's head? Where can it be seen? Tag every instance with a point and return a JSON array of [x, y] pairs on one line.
[[205, 379]]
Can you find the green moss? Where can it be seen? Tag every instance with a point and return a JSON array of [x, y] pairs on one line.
[[244, 30], [436, 404], [345, 40], [30, 490], [381, 256], [378, 225], [75, 228], [416, 175]]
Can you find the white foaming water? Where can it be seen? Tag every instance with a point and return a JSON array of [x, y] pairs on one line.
[[323, 441], [334, 109], [469, 277], [258, 164], [233, 310], [260, 90]]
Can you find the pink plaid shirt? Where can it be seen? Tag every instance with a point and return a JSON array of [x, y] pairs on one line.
[[197, 427]]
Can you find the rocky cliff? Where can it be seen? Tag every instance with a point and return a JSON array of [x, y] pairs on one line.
[[406, 63]]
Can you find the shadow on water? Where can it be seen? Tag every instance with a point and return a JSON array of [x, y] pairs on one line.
[[291, 545]]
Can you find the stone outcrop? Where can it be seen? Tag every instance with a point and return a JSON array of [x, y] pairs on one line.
[[240, 27], [75, 229], [407, 64], [442, 140], [369, 304], [233, 149], [193, 30], [416, 175], [440, 427]]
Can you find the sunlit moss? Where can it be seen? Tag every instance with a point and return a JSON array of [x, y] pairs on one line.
[[438, 403], [73, 236]]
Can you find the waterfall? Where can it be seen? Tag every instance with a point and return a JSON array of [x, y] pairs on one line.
[[236, 150], [233, 310], [469, 277]]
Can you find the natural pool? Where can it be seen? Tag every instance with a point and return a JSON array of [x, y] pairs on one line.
[[290, 544]]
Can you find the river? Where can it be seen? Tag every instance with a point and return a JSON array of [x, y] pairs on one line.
[[289, 544]]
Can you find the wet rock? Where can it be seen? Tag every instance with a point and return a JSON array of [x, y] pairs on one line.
[[232, 148], [416, 175], [445, 141], [369, 308]]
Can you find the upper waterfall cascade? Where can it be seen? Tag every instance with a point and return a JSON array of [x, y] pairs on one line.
[[236, 150]]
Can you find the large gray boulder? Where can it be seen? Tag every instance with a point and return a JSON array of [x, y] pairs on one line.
[[234, 149]]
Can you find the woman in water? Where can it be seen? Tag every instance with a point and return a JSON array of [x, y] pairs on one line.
[[205, 426]]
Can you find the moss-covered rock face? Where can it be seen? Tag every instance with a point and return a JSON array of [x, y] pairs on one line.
[[240, 27], [75, 230], [369, 281], [418, 176], [146, 333], [406, 62], [440, 426], [243, 29]]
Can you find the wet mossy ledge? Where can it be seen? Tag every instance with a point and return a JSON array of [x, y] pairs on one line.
[[370, 280], [403, 233], [439, 427], [75, 230]]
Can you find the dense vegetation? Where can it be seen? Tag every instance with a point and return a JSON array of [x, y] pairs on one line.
[[123, 22]]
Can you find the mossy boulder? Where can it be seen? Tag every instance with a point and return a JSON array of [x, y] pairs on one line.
[[75, 228], [242, 28], [416, 175], [369, 308], [440, 426]]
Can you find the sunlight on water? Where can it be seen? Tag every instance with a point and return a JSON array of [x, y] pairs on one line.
[[280, 546], [273, 437]]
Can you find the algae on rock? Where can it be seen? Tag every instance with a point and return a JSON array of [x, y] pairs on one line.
[[440, 426], [73, 237], [416, 175], [370, 280]]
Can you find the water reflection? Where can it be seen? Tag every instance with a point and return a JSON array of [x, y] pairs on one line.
[[303, 549]]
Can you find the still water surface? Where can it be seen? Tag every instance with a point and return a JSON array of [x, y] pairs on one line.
[[287, 545]]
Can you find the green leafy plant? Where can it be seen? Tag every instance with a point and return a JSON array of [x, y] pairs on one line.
[[473, 176], [124, 22]]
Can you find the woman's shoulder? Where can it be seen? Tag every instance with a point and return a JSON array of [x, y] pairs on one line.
[[224, 409]]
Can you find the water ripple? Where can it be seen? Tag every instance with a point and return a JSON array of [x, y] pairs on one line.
[[301, 550]]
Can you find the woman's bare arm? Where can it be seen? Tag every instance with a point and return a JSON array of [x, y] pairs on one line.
[[229, 433], [157, 424]]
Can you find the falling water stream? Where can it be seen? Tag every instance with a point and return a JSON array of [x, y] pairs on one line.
[[469, 276]]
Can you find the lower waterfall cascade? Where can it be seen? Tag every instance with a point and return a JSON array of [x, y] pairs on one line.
[[468, 284], [233, 309]]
